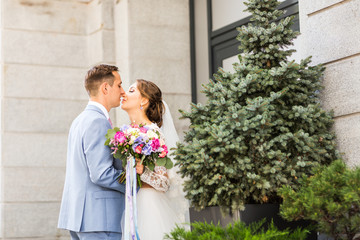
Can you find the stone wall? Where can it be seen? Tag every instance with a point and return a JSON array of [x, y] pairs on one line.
[[46, 48], [45, 54], [330, 33], [154, 44]]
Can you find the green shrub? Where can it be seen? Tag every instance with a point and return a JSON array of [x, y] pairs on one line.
[[331, 197], [238, 230]]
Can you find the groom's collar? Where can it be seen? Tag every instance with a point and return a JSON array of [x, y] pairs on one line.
[[101, 107]]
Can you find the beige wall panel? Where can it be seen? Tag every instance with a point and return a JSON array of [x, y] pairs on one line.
[[170, 76], [176, 102], [33, 184], [348, 137], [42, 222], [160, 58], [155, 42], [95, 49], [45, 49], [107, 13], [108, 46], [42, 116], [311, 6], [234, 10], [47, 16], [101, 47], [330, 35], [42, 150], [159, 44], [160, 13], [94, 20], [201, 48], [342, 87], [121, 117], [29, 81], [122, 40]]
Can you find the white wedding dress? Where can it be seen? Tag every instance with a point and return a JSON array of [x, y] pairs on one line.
[[156, 217], [162, 207]]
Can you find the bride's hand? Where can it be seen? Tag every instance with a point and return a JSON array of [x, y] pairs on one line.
[[139, 168]]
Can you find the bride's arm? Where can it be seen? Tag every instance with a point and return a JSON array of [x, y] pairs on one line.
[[157, 179]]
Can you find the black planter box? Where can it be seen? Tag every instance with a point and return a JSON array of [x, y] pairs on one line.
[[210, 215], [252, 213]]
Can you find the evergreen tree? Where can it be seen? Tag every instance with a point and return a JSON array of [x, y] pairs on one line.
[[262, 126]]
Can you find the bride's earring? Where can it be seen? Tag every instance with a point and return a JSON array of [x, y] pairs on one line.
[[141, 107]]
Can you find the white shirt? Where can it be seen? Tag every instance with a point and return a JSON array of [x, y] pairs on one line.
[[99, 105]]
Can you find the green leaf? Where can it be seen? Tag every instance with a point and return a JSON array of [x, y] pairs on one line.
[[161, 162], [169, 164], [151, 165], [118, 155], [111, 133]]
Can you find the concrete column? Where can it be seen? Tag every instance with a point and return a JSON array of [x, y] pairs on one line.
[[330, 33], [153, 43]]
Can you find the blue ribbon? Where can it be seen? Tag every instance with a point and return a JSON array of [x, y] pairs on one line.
[[130, 226]]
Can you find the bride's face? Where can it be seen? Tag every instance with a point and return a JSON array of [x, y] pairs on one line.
[[132, 99]]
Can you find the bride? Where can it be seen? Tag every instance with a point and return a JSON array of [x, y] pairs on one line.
[[160, 201]]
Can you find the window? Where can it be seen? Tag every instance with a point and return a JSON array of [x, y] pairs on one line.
[[220, 47]]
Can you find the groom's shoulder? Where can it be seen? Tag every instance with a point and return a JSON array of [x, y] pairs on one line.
[[90, 115], [87, 117]]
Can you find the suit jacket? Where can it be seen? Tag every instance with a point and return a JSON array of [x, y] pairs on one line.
[[92, 200]]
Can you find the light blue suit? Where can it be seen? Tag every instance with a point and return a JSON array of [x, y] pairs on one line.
[[93, 200]]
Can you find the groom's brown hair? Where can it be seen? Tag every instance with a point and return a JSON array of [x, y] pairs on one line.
[[97, 75]]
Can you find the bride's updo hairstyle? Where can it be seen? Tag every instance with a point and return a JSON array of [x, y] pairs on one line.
[[155, 108]]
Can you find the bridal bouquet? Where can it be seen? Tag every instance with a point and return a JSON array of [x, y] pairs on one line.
[[143, 142]]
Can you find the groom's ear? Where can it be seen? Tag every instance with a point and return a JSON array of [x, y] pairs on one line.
[[104, 88]]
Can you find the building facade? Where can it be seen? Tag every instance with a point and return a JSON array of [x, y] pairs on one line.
[[46, 47]]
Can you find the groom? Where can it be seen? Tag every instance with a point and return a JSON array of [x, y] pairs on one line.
[[93, 200]]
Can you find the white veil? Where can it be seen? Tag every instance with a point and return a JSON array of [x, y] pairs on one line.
[[175, 193]]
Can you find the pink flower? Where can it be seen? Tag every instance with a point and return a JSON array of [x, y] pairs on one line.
[[120, 137], [115, 150], [165, 149], [143, 130], [162, 154], [155, 144], [138, 149]]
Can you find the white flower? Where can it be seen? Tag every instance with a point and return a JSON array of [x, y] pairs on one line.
[[151, 134], [132, 139]]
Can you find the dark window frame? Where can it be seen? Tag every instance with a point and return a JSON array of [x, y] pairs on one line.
[[223, 42]]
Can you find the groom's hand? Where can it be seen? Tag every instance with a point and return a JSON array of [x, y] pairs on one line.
[[139, 168]]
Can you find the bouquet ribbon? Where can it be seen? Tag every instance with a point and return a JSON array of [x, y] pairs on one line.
[[130, 227]]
